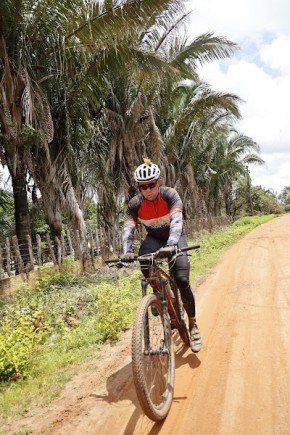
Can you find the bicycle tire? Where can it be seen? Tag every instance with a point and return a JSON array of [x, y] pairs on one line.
[[183, 320], [153, 367]]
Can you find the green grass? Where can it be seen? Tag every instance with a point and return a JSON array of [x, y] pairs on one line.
[[103, 309]]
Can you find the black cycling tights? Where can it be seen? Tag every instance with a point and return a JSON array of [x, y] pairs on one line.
[[180, 270]]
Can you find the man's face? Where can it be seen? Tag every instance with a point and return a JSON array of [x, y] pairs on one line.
[[150, 189]]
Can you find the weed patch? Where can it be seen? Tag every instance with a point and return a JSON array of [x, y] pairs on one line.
[[62, 323]]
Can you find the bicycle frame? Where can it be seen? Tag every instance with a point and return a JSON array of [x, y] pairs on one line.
[[159, 276]]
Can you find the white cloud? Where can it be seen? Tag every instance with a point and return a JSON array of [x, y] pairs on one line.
[[275, 174], [266, 108], [276, 54], [240, 19], [259, 73]]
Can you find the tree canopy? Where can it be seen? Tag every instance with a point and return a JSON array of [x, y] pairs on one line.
[[89, 88]]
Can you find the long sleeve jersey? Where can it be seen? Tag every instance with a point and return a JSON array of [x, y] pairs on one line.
[[161, 217]]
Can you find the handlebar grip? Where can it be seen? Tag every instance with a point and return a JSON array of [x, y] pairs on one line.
[[113, 260], [189, 248]]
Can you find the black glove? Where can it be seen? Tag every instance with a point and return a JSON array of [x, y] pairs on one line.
[[129, 256], [166, 252]]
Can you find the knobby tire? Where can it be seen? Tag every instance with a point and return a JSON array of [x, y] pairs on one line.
[[153, 359]]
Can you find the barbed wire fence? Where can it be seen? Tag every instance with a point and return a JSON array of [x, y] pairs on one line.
[[22, 256]]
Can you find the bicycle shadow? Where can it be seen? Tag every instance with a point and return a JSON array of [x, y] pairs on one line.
[[120, 392]]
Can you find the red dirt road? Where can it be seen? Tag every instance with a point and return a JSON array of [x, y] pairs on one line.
[[239, 384]]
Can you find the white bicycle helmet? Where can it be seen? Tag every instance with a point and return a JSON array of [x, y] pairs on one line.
[[148, 171]]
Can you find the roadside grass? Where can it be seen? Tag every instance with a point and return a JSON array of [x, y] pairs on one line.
[[68, 319]]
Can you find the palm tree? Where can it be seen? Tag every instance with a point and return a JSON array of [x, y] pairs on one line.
[[46, 51], [79, 78], [233, 152], [284, 196], [6, 215], [197, 113], [141, 107], [24, 115]]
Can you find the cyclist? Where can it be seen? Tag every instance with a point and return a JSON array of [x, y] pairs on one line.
[[160, 210]]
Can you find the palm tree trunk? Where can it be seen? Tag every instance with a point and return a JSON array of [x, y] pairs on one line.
[[21, 211], [53, 211], [53, 181]]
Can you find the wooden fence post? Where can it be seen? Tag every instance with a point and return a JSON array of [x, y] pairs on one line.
[[50, 250], [71, 249], [1, 265], [97, 242], [8, 255], [19, 262], [38, 241], [58, 250], [78, 246], [63, 250], [85, 253], [105, 246], [30, 266], [92, 251]]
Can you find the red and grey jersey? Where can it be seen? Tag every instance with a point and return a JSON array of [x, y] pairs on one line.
[[161, 217]]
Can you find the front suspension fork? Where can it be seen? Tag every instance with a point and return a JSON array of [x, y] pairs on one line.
[[144, 285]]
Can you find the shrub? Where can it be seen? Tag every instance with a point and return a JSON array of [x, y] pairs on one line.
[[20, 335], [115, 306], [66, 311]]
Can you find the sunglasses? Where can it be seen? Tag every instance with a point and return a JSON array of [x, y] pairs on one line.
[[148, 186]]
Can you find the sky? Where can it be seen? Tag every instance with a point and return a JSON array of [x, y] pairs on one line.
[[258, 72]]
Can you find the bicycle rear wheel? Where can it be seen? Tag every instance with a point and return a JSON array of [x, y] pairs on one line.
[[153, 359]]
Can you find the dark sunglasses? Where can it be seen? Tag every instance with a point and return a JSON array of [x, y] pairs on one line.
[[148, 186]]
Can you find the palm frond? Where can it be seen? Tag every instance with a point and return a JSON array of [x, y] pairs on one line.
[[206, 48]]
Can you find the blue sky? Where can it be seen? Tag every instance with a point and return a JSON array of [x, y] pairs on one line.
[[259, 73]]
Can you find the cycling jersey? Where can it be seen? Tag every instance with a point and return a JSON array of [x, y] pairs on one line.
[[161, 217]]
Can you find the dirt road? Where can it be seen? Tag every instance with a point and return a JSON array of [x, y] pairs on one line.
[[239, 384]]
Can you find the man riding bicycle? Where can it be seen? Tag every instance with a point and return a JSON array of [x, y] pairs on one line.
[[160, 210]]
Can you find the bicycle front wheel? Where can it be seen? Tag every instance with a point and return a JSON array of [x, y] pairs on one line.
[[153, 358]]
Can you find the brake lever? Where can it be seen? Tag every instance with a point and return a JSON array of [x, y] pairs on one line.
[[173, 258]]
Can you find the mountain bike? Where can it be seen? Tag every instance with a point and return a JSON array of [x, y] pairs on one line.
[[158, 315]]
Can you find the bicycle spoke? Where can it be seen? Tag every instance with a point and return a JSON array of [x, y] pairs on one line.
[[153, 359], [155, 362]]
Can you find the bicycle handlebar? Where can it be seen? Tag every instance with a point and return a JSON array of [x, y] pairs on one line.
[[189, 248], [121, 261]]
